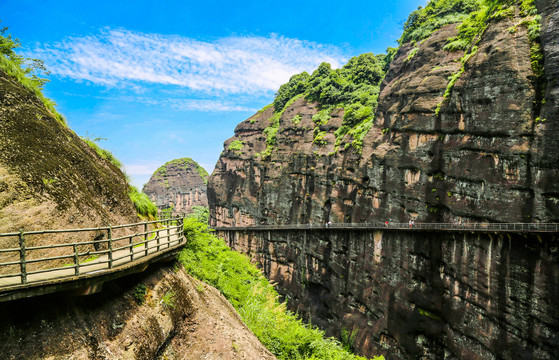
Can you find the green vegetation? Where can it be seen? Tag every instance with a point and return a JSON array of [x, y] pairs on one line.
[[296, 119], [354, 87], [105, 154], [209, 259], [474, 24], [201, 213], [144, 206], [168, 300], [236, 145], [140, 292], [424, 21], [25, 70]]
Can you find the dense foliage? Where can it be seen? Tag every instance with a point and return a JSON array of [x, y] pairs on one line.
[[354, 87], [25, 70], [209, 259]]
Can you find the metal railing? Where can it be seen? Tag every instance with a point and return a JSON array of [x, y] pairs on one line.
[[479, 227], [28, 257]]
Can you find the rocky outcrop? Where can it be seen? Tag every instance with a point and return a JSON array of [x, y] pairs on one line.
[[164, 315], [49, 177], [178, 185], [476, 158], [487, 151]]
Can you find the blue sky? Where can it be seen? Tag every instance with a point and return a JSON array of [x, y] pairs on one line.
[[161, 80]]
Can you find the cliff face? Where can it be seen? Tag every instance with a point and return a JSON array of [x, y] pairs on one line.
[[179, 184], [179, 318], [49, 177], [481, 154], [419, 295], [484, 149]]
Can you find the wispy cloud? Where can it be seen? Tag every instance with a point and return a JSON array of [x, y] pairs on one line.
[[231, 65]]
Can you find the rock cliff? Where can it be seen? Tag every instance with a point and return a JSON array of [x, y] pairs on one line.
[[458, 136], [49, 177], [484, 152], [179, 185]]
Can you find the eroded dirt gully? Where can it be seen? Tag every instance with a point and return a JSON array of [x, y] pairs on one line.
[[181, 318]]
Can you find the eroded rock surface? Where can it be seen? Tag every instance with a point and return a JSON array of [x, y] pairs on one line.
[[482, 154], [49, 177], [180, 318], [178, 185]]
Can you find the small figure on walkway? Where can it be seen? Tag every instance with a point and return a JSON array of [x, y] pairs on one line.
[[386, 223], [410, 223]]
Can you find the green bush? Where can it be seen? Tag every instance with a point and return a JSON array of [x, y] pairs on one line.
[[140, 292], [209, 259], [25, 71], [236, 145], [144, 206]]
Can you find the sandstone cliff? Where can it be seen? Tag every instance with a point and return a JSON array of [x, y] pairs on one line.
[[49, 177], [179, 185], [458, 136], [484, 152]]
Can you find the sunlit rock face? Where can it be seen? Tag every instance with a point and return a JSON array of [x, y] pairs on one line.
[[484, 156], [485, 153], [178, 185]]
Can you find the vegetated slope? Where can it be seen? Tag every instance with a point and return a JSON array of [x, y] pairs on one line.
[[164, 314], [178, 185], [49, 177], [460, 129]]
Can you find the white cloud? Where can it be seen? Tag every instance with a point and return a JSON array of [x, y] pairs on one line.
[[231, 65]]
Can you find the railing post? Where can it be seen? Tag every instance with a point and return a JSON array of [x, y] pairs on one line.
[[22, 257], [110, 231], [146, 237], [131, 246], [76, 260], [168, 233], [157, 238]]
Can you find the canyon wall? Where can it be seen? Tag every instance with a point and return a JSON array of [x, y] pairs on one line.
[[179, 185], [419, 294], [484, 149], [485, 152]]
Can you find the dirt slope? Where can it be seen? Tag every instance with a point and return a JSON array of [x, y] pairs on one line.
[[181, 318]]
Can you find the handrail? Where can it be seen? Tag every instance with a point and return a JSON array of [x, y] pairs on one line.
[[121, 249], [478, 227]]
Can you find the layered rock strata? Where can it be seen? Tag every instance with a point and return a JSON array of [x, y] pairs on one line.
[[179, 185], [485, 152], [419, 294]]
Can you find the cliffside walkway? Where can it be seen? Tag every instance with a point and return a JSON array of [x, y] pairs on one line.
[[40, 262], [469, 227]]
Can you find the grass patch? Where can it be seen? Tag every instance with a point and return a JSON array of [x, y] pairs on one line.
[[209, 259], [143, 204]]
